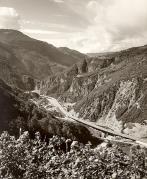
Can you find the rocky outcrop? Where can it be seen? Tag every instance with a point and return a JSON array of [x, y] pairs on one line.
[[58, 83], [80, 87], [76, 82]]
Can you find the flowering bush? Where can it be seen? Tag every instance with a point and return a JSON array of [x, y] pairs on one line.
[[34, 159]]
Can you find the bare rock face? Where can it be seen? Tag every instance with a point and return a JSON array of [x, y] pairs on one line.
[[120, 96], [80, 87], [76, 82], [58, 83], [111, 107]]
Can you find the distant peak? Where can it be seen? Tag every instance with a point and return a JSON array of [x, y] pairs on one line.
[[10, 35]]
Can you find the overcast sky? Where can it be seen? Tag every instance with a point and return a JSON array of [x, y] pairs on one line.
[[84, 25]]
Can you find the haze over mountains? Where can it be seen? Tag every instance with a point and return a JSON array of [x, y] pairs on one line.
[[110, 89]]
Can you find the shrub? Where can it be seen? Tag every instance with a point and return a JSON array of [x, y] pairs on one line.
[[24, 158]]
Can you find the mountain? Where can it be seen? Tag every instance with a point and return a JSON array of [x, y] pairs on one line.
[[109, 90], [100, 54], [75, 54], [11, 68], [21, 41], [25, 59]]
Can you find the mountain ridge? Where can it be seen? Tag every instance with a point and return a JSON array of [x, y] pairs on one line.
[[24, 56]]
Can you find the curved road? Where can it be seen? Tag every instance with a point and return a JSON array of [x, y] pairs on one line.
[[55, 103]]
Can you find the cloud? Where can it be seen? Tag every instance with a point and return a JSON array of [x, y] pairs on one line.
[[58, 1], [114, 25], [126, 18], [9, 18], [92, 5], [35, 31], [110, 25]]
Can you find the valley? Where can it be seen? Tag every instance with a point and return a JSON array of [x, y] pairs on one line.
[[66, 112], [108, 90]]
